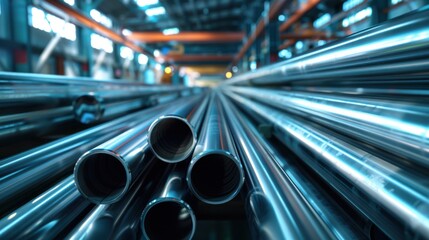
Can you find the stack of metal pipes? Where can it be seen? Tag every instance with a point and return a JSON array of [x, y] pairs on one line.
[[332, 144]]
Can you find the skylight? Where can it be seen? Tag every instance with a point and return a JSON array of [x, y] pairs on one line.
[[155, 11]]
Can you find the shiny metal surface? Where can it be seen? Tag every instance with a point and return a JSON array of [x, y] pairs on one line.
[[397, 127], [121, 220], [173, 138], [46, 216], [282, 202], [215, 174], [104, 174], [19, 124], [37, 168], [403, 194], [396, 46], [168, 215]]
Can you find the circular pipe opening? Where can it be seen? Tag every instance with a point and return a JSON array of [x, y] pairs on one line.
[[168, 219], [172, 139], [87, 109], [101, 177], [215, 178]]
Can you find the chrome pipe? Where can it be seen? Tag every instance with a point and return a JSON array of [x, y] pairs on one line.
[[46, 216], [121, 220], [104, 174], [366, 119], [168, 215], [396, 46], [41, 121], [173, 138], [215, 174], [32, 171], [381, 190], [282, 202]]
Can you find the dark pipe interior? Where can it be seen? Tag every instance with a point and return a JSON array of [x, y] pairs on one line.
[[172, 139], [87, 109], [168, 220], [101, 177], [215, 177]]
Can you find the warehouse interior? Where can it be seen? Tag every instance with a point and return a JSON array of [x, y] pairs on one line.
[[214, 119]]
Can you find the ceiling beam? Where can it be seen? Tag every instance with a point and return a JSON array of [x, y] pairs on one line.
[[197, 58], [287, 44], [303, 9], [200, 37], [307, 35]]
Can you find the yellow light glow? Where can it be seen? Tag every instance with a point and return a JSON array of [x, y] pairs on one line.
[[168, 70], [228, 74]]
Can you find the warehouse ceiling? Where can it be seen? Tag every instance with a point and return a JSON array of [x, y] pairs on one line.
[[187, 15]]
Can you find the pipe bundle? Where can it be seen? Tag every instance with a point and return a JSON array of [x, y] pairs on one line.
[[321, 149]]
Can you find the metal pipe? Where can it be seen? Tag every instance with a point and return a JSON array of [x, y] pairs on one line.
[[19, 124], [215, 174], [382, 191], [173, 138], [395, 46], [121, 220], [104, 174], [46, 216], [282, 202], [32, 171], [168, 215], [366, 119]]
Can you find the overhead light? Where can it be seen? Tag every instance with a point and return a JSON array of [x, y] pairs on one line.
[[228, 75], [168, 70], [156, 53], [281, 18], [145, 3], [170, 31], [234, 69], [126, 32], [143, 59], [155, 11], [158, 66]]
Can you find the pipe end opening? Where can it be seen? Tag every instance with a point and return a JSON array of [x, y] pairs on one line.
[[172, 139], [101, 177]]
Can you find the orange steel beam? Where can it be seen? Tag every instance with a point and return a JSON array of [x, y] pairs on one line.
[[298, 14], [88, 22], [287, 44], [275, 9], [150, 37], [198, 58]]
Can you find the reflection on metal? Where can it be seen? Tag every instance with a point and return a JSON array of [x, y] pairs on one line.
[[400, 194], [215, 174]]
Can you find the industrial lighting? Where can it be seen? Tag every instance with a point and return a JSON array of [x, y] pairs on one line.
[[168, 70], [70, 2], [156, 53], [145, 3], [299, 45], [281, 18], [155, 11], [158, 66], [228, 75], [253, 66], [126, 32], [234, 69], [170, 31], [143, 59]]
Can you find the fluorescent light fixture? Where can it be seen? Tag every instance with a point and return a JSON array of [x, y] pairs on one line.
[[299, 45], [126, 32], [156, 53], [143, 59], [145, 3], [155, 11], [69, 2], [281, 18], [170, 31]]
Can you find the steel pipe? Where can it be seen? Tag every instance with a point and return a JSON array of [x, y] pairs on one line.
[[33, 170], [104, 174], [215, 174], [173, 138], [366, 119], [394, 198], [121, 220], [396, 46], [168, 215], [282, 202], [46, 216]]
